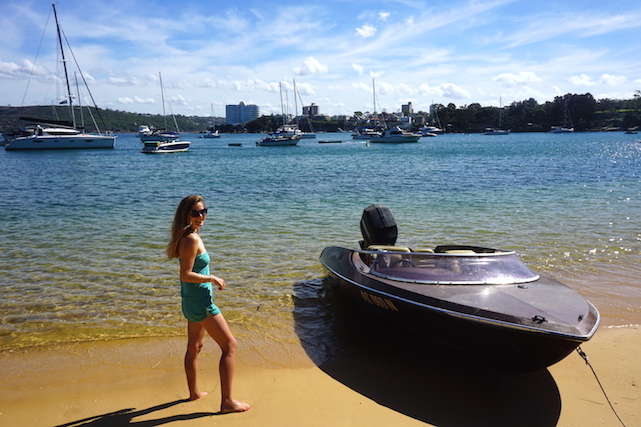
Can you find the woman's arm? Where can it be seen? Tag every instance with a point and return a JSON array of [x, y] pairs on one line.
[[188, 250]]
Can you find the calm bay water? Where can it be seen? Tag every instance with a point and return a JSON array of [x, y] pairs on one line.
[[83, 232]]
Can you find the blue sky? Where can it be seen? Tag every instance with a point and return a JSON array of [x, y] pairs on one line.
[[218, 53]]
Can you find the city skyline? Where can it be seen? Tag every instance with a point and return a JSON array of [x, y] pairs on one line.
[[459, 52]]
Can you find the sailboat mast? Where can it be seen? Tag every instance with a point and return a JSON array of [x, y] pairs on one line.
[[282, 106], [64, 65], [82, 117], [162, 97], [296, 102], [374, 95]]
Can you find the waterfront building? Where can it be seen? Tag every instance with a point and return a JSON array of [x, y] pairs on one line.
[[241, 113], [407, 109], [311, 110]]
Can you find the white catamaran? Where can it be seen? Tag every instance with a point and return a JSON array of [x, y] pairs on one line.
[[56, 134]]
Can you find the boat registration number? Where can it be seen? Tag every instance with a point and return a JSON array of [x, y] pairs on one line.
[[378, 301]]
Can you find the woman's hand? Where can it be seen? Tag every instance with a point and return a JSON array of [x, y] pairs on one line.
[[219, 282]]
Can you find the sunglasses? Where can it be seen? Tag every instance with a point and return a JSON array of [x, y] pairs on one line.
[[196, 213]]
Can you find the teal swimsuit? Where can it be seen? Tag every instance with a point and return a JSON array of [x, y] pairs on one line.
[[198, 298]]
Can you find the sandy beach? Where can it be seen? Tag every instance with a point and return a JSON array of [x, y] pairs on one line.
[[141, 382]]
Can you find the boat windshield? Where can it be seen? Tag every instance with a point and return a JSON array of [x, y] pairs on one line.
[[467, 267]]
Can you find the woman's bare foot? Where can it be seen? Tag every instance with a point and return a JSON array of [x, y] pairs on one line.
[[234, 406], [198, 395]]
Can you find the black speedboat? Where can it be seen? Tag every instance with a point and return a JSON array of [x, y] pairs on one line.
[[483, 301]]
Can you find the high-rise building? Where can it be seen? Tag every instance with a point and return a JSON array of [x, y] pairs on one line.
[[241, 113], [407, 109], [311, 110]]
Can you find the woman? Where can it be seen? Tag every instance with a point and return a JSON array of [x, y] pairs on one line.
[[198, 301]]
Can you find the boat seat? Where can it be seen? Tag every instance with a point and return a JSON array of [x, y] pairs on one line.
[[388, 248], [423, 250], [460, 252], [385, 260]]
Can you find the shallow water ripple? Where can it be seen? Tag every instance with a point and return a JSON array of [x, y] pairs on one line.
[[83, 232]]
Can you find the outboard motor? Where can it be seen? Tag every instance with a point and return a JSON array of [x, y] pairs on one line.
[[378, 226]]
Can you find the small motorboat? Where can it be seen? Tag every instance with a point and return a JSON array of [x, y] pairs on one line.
[[146, 133], [153, 147], [278, 139], [482, 301], [211, 134], [366, 134], [492, 131], [396, 135]]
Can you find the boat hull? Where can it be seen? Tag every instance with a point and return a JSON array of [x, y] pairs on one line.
[[496, 132], [165, 137], [396, 136], [46, 142], [159, 147], [502, 340], [560, 129], [210, 135], [278, 142], [395, 139]]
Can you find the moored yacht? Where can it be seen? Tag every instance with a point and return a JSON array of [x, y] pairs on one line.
[[396, 135], [54, 137], [160, 147], [44, 134]]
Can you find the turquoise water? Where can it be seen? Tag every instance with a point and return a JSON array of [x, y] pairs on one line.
[[84, 231]]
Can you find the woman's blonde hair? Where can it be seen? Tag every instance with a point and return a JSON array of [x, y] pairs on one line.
[[181, 222]]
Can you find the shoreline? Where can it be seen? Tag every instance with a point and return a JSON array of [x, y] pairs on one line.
[[142, 381]]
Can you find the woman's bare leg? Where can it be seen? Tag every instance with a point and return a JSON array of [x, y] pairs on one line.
[[195, 340], [217, 327]]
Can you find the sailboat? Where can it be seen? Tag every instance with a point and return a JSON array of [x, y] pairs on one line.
[[56, 134], [566, 118], [211, 133], [394, 135], [499, 131], [286, 135], [163, 141], [304, 135], [147, 133]]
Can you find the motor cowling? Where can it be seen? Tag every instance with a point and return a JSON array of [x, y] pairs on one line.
[[378, 226]]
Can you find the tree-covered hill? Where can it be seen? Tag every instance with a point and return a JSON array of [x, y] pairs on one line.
[[110, 120], [581, 111]]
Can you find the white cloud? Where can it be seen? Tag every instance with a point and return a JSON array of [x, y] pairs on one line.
[[249, 85], [25, 68], [384, 88], [136, 100], [605, 79], [581, 80], [305, 89], [362, 87], [126, 81], [312, 66], [446, 90], [608, 79], [383, 16], [510, 79], [179, 100], [359, 68], [453, 91], [366, 31]]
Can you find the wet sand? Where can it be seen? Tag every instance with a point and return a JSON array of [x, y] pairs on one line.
[[141, 382]]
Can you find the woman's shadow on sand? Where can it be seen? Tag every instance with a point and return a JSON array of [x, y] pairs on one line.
[[124, 417], [411, 376]]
